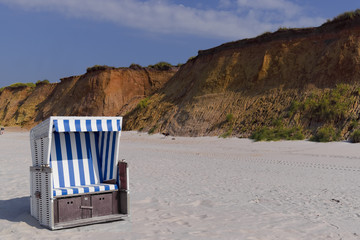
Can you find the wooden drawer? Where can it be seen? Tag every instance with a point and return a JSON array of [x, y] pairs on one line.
[[74, 208], [69, 209], [102, 204]]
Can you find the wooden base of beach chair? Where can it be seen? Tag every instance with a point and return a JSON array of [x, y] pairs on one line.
[[88, 221], [87, 209]]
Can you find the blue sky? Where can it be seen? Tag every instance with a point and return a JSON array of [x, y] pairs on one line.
[[52, 39]]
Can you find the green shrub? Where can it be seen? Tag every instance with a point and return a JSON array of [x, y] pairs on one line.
[[143, 103], [227, 133], [277, 133], [355, 136], [152, 130], [30, 85], [267, 33], [354, 124], [21, 85], [39, 82], [334, 105], [294, 108], [328, 107], [135, 66], [98, 68], [326, 134], [356, 92], [192, 58], [277, 123], [161, 66], [229, 118], [347, 15], [282, 29]]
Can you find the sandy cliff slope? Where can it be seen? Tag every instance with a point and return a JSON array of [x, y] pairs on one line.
[[241, 86], [99, 92]]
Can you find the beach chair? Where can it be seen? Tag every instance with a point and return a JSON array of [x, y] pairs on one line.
[[75, 177]]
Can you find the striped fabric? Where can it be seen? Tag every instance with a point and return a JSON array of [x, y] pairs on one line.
[[84, 189], [81, 161], [87, 125]]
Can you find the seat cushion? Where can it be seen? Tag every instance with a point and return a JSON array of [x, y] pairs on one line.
[[84, 189]]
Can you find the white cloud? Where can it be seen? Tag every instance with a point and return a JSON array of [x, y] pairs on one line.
[[161, 16], [286, 7], [281, 12], [225, 3]]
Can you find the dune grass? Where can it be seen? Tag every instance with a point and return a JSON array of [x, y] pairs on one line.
[[278, 133]]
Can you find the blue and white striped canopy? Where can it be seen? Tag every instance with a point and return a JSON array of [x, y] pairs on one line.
[[87, 124], [84, 154]]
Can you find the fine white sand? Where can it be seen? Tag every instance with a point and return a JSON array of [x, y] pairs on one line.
[[208, 188]]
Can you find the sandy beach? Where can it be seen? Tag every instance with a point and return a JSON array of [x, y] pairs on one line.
[[208, 188]]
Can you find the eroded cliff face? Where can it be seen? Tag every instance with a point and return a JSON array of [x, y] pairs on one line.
[[306, 78], [256, 81], [108, 92]]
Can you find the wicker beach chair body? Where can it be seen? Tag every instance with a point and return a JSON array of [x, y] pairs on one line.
[[75, 177]]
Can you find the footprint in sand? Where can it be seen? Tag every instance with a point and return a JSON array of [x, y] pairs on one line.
[[166, 216], [184, 223], [148, 200], [205, 203]]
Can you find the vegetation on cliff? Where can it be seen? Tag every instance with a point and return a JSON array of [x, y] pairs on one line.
[[18, 85], [163, 66], [42, 82], [327, 133], [25, 85], [277, 131], [346, 16], [98, 68], [331, 110], [355, 136], [327, 115]]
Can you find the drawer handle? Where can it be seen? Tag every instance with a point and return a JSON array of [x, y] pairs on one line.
[[86, 207]]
